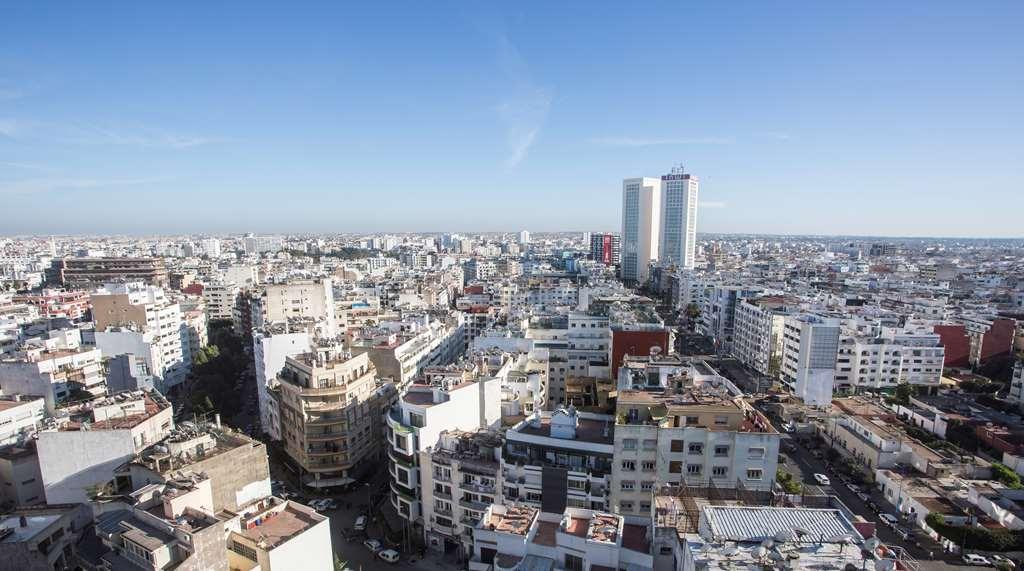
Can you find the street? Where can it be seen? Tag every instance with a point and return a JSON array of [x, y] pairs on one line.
[[802, 465]]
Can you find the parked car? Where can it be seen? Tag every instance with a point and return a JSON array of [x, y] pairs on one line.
[[864, 497], [1001, 561], [901, 532], [788, 427], [822, 479], [360, 523], [975, 559], [389, 555], [888, 519], [373, 545], [853, 487]]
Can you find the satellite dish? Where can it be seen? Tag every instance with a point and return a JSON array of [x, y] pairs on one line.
[[871, 544], [730, 551], [767, 544], [760, 552], [885, 565], [802, 531]]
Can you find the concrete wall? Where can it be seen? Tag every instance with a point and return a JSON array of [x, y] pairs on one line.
[[71, 462]]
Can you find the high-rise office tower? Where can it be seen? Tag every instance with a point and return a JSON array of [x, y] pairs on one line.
[[641, 223], [678, 219]]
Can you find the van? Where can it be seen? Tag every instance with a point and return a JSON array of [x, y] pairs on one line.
[[389, 555]]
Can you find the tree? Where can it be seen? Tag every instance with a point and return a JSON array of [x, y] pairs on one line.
[[903, 394], [1008, 477]]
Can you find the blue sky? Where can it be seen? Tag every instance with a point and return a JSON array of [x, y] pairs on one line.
[[865, 118]]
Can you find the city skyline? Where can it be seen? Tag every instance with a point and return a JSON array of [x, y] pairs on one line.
[[848, 126]]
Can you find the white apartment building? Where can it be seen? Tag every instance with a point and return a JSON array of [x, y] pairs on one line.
[[757, 332], [139, 319], [891, 358], [679, 219], [400, 349], [641, 227], [559, 459], [280, 535], [520, 537], [220, 299], [19, 416], [578, 345], [210, 247], [311, 300], [809, 352], [718, 312], [463, 483], [415, 424], [270, 347], [103, 433], [54, 373], [677, 424]]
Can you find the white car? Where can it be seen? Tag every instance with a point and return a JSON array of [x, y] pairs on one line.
[[975, 559], [389, 555], [360, 523], [822, 479], [888, 519], [1000, 560], [373, 545]]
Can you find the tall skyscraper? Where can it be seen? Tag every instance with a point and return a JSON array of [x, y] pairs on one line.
[[524, 237], [641, 224], [678, 219]]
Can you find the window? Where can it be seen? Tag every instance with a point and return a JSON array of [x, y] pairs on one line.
[[692, 420], [645, 507], [648, 466], [696, 448], [755, 453], [754, 474], [677, 446], [625, 506], [721, 420], [627, 485], [721, 450], [694, 469], [573, 562], [675, 467], [647, 485], [628, 465], [650, 444], [577, 484], [533, 496], [629, 444], [719, 471]]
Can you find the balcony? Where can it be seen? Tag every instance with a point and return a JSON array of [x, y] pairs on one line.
[[325, 436]]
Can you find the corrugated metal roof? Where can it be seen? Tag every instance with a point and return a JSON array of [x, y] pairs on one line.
[[750, 523]]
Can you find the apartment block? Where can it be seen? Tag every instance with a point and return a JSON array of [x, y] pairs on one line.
[[757, 332], [104, 433], [328, 400], [809, 352], [440, 403], [677, 424], [558, 459], [464, 481], [89, 273], [521, 537], [140, 320]]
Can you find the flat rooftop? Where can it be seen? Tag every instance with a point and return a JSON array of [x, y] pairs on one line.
[[34, 525], [516, 520], [284, 525], [587, 430]]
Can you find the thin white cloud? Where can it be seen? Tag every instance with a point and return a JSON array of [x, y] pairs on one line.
[[653, 142], [712, 204], [525, 110], [84, 134], [43, 185]]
